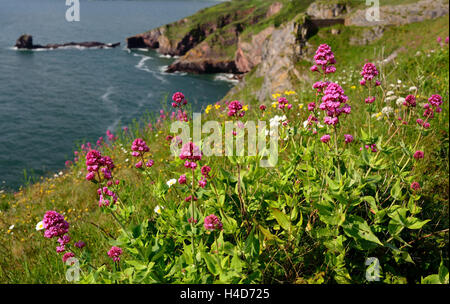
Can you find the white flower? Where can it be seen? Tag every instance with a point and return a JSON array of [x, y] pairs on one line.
[[389, 93], [60, 173], [387, 110], [413, 88], [171, 182], [400, 101], [399, 81], [39, 226], [11, 227], [390, 98], [127, 160], [158, 209]]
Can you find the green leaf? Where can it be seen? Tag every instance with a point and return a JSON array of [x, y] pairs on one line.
[[282, 219], [372, 203], [211, 263], [443, 273], [415, 223], [396, 191], [252, 244], [431, 279], [357, 228]]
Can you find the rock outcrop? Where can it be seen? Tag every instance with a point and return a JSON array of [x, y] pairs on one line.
[[26, 42], [249, 53], [401, 14], [320, 10]]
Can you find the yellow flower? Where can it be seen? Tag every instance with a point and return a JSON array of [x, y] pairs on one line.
[[217, 107], [289, 93], [245, 108], [208, 108], [275, 96], [353, 87], [300, 106], [378, 114], [274, 104]]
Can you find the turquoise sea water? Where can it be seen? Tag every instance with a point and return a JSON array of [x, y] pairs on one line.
[[52, 99]]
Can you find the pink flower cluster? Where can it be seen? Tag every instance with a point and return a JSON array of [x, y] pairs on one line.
[[320, 86], [334, 103], [80, 244], [326, 138], [420, 122], [205, 176], [178, 100], [418, 154], [410, 101], [95, 162], [114, 253], [372, 147], [65, 239], [111, 136], [369, 72], [348, 138], [54, 224], [415, 186], [182, 179], [284, 103], [67, 256], [433, 106], [191, 153], [139, 148], [212, 222], [106, 197], [235, 109], [324, 59]]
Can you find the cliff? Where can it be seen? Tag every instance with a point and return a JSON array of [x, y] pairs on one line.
[[224, 38], [269, 41]]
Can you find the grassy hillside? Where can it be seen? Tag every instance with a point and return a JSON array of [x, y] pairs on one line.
[[313, 218]]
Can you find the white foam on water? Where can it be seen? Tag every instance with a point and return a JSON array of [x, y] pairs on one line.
[[112, 105], [225, 77], [142, 66], [163, 69]]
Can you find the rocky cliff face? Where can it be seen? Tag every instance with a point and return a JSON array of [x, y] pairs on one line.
[[249, 53], [211, 47], [327, 10]]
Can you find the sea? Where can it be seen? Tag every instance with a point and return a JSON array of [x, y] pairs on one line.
[[53, 100]]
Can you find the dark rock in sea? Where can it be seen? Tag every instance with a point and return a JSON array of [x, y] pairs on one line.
[[26, 42]]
